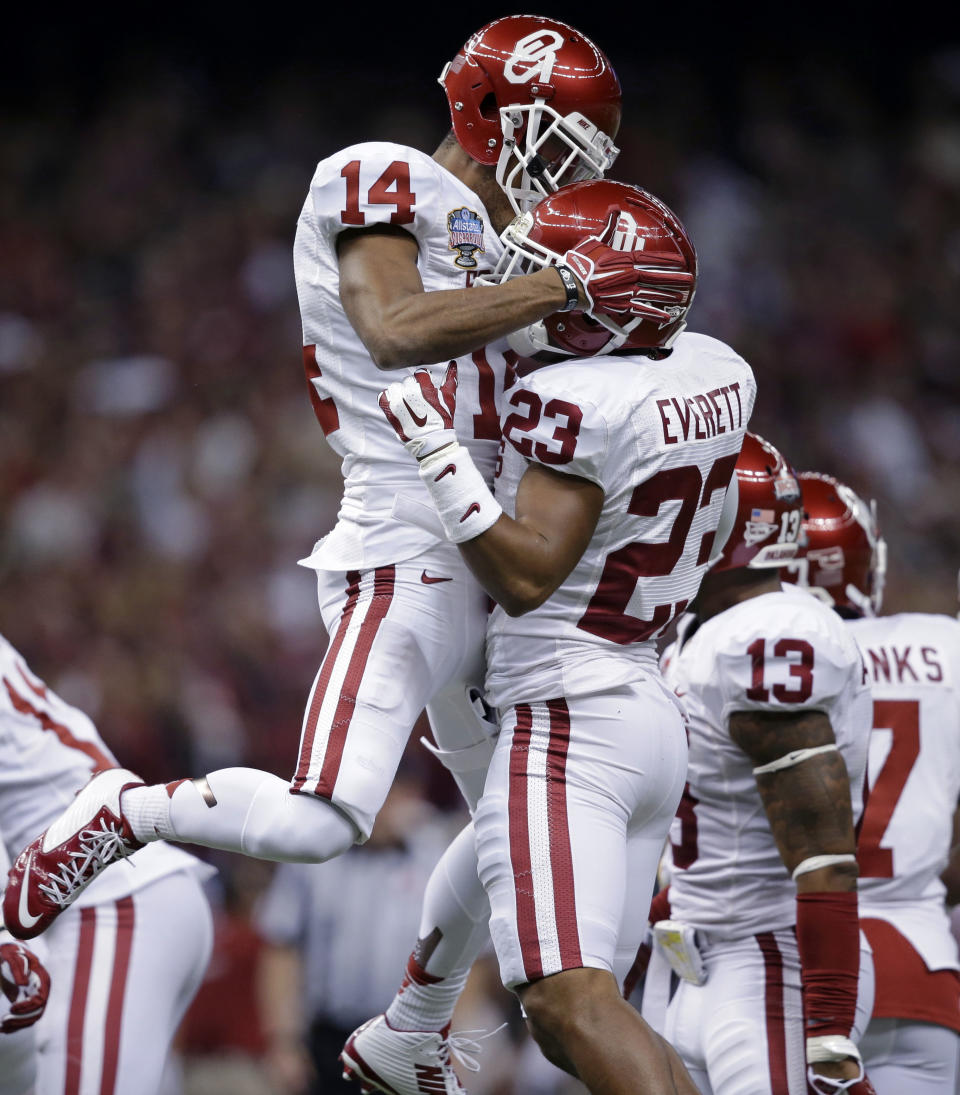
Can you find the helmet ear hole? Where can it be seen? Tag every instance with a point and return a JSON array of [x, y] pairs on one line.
[[488, 107]]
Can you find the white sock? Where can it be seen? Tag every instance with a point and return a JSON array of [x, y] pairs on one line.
[[147, 810], [454, 927]]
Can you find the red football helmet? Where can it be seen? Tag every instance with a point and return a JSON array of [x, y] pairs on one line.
[[762, 510], [537, 98], [843, 557], [666, 284]]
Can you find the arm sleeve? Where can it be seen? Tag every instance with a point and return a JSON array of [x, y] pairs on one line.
[[376, 183], [554, 426]]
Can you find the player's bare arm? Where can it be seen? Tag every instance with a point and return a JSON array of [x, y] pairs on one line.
[[808, 803], [401, 324], [521, 562], [518, 561], [809, 808]]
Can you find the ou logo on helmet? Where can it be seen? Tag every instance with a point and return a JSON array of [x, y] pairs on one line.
[[538, 49]]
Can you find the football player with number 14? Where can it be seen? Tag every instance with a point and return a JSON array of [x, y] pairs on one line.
[[615, 466], [388, 243]]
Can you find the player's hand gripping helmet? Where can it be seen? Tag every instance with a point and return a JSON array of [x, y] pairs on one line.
[[843, 557], [763, 510], [538, 99], [628, 219]]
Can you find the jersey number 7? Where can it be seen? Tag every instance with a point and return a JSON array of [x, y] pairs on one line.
[[902, 719]]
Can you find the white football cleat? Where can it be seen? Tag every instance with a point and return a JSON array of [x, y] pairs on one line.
[[404, 1062], [54, 869]]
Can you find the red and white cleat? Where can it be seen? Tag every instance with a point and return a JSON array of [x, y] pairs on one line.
[[53, 870], [403, 1062]]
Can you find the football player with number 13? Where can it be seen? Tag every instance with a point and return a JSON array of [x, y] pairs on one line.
[[760, 918]]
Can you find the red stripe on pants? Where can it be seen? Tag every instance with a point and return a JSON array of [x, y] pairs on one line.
[[520, 845], [561, 857], [773, 1001], [78, 1000], [384, 579], [118, 985], [323, 679]]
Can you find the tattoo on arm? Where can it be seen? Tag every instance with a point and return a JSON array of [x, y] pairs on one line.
[[808, 804]]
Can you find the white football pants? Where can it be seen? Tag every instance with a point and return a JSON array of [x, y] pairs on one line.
[[402, 638], [572, 783], [903, 1055], [122, 975], [742, 1033]]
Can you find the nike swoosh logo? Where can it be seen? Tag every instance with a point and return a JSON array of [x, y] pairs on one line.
[[23, 913], [450, 469], [429, 581], [417, 420], [474, 507]]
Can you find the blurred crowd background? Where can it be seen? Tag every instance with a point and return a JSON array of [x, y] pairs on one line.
[[160, 468]]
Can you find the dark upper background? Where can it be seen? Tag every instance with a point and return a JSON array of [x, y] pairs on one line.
[[160, 470]]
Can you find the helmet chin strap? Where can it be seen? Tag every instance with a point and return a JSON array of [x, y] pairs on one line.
[[532, 340], [860, 601]]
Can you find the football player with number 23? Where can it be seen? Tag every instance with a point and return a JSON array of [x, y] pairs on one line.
[[616, 461]]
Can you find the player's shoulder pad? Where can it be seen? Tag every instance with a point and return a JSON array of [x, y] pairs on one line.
[[927, 633], [791, 608], [382, 153], [910, 626], [376, 182], [801, 644], [693, 342], [551, 417]]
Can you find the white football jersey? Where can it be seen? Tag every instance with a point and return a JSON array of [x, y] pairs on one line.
[[782, 652], [661, 438], [48, 752], [365, 185], [913, 661]]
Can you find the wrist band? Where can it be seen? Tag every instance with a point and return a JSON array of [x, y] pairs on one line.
[[830, 1047], [570, 286], [464, 503], [816, 862]]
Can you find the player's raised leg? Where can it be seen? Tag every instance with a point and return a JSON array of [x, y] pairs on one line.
[[389, 651]]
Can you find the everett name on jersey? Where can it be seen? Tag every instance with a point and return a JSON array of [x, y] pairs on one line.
[[361, 186], [639, 429]]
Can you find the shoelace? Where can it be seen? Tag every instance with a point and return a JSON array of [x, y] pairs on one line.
[[101, 846], [465, 1048]]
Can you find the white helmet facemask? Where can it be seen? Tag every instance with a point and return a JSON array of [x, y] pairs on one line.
[[552, 150]]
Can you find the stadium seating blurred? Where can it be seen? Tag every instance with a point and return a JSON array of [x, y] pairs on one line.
[[160, 469]]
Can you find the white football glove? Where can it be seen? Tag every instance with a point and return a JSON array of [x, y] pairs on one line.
[[422, 413]]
